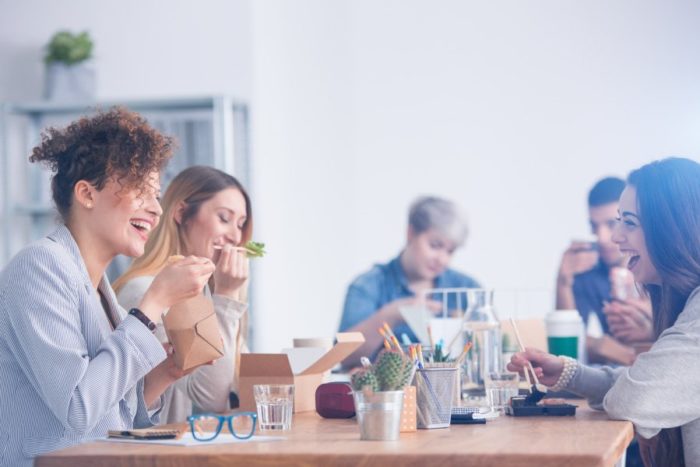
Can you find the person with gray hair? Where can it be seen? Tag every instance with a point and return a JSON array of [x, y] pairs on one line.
[[429, 212], [436, 228]]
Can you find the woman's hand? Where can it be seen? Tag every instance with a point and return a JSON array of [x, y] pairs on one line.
[[547, 367], [170, 370], [231, 271], [163, 375], [178, 281], [578, 258], [630, 321]]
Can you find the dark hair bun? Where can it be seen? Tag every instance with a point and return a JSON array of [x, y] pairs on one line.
[[117, 143]]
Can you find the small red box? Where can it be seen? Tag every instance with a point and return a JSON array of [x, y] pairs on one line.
[[334, 400]]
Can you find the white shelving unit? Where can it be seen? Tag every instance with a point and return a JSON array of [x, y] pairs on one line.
[[210, 131]]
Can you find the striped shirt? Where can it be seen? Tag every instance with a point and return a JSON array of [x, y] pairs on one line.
[[67, 376]]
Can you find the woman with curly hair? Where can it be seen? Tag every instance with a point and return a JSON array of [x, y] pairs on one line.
[[206, 213], [659, 232], [74, 362]]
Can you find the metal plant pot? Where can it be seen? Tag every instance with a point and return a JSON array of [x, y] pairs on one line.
[[379, 414], [70, 82]]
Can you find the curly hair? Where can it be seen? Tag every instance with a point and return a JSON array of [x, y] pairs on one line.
[[116, 144]]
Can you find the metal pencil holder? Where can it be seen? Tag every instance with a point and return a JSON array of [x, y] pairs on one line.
[[457, 386], [435, 389]]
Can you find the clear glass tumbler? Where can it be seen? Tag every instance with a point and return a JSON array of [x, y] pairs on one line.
[[274, 403], [500, 387]]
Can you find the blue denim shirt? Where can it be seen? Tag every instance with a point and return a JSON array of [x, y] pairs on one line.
[[385, 283], [591, 289]]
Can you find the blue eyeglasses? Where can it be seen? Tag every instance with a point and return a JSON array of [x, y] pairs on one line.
[[241, 425]]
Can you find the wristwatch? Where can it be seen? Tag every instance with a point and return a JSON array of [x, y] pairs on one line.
[[138, 314]]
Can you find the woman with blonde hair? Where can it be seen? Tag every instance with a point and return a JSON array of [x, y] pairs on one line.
[[206, 213]]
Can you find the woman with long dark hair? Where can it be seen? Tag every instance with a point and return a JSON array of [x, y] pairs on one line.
[[659, 232]]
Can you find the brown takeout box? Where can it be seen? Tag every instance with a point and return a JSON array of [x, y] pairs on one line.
[[193, 330], [257, 368]]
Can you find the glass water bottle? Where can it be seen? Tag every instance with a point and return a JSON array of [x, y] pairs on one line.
[[482, 327]]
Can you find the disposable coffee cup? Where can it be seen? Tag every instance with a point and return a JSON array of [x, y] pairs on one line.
[[565, 333]]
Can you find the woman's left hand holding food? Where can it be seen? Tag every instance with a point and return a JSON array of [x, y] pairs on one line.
[[231, 271], [630, 321]]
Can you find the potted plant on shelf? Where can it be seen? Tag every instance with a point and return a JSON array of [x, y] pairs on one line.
[[378, 393], [70, 74]]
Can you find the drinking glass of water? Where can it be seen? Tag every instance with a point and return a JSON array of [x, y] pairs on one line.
[[274, 403], [500, 387]]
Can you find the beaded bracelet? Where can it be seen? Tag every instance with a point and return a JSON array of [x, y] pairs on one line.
[[567, 374]]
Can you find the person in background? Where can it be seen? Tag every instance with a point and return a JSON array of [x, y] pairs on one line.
[[659, 232], [584, 280], [206, 213], [74, 364], [436, 228]]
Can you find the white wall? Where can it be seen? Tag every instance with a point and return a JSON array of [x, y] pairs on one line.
[[512, 108], [303, 168]]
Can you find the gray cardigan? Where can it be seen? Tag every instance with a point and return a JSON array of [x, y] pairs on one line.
[[660, 390], [65, 375]]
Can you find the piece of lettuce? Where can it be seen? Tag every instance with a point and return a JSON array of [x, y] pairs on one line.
[[255, 249]]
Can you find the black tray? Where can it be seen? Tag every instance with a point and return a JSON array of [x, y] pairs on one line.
[[557, 410], [520, 406]]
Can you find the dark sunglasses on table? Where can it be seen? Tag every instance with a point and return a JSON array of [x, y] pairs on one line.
[[240, 424]]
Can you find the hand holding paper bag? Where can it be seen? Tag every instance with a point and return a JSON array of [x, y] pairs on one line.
[[193, 330]]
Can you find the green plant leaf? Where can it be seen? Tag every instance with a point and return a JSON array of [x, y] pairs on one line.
[[68, 48]]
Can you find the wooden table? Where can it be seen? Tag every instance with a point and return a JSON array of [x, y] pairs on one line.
[[589, 439]]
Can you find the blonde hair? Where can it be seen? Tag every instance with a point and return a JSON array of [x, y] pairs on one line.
[[193, 186]]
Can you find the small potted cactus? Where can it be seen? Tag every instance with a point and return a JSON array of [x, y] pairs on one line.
[[378, 394]]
